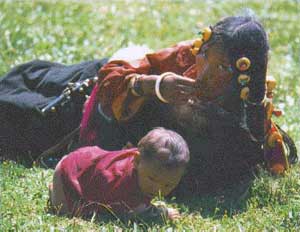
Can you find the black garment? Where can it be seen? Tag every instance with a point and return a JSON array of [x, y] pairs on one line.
[[222, 154], [114, 135], [32, 86]]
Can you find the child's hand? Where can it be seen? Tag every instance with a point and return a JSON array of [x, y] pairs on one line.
[[173, 214]]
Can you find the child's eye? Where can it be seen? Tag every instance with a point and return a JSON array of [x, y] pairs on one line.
[[151, 178]]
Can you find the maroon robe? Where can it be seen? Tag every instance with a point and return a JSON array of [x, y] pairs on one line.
[[94, 180]]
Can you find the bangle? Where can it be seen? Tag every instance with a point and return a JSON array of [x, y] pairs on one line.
[[134, 85], [157, 86]]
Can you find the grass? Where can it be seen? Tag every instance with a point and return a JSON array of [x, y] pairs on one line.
[[73, 31]]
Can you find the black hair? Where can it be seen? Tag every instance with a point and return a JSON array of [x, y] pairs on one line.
[[161, 138], [244, 36]]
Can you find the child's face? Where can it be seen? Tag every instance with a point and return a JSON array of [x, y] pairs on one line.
[[153, 178]]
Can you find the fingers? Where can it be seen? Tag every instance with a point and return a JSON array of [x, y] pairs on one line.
[[173, 214], [181, 100], [186, 89], [186, 81], [182, 94]]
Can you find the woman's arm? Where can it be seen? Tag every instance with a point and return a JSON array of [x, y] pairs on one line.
[[115, 95]]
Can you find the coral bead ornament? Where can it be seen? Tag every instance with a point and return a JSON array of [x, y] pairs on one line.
[[273, 139], [206, 34], [243, 64]]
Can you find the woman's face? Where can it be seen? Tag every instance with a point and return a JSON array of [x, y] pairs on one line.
[[214, 72]]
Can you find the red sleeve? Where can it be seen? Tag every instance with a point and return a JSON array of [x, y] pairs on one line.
[[113, 92]]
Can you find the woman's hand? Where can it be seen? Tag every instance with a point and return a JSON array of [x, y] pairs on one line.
[[175, 89]]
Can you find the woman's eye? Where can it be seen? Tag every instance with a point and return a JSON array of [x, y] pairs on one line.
[[221, 67], [202, 54], [224, 68]]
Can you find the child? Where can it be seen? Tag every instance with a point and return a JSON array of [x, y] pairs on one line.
[[123, 182]]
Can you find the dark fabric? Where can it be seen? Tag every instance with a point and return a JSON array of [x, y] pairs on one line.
[[31, 86]]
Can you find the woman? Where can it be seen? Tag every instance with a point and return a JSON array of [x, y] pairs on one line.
[[211, 91]]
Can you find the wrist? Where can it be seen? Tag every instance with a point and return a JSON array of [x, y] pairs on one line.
[[135, 85], [148, 84], [157, 86]]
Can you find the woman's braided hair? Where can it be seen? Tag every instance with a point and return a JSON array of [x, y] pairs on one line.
[[245, 37]]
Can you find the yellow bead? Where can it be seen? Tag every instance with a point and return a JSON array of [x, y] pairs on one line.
[[206, 34], [243, 79], [271, 83], [243, 64], [245, 93], [197, 43], [269, 110], [195, 51]]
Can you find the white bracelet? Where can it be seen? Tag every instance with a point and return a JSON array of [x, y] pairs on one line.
[[157, 86], [132, 84]]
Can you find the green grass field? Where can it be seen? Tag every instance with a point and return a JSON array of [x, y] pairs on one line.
[[75, 31]]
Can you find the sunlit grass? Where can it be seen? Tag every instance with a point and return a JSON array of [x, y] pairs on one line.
[[72, 31]]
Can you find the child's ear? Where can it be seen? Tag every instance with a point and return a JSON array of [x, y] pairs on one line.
[[128, 145]]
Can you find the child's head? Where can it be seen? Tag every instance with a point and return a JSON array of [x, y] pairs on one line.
[[163, 157]]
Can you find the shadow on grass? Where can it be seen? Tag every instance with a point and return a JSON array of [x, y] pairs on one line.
[[29, 161], [108, 218], [230, 201]]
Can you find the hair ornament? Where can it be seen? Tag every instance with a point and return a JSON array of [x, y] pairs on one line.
[[206, 34], [269, 108], [245, 93], [244, 79], [196, 46], [271, 83], [243, 64]]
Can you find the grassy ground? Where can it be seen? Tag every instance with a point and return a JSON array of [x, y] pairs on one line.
[[70, 32]]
